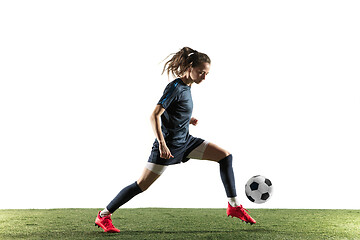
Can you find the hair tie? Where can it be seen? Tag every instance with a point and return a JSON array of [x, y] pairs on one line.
[[192, 53]]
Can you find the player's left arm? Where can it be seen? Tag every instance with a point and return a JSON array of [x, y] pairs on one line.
[[193, 121]]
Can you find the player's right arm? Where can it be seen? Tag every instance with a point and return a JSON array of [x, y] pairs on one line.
[[156, 125]]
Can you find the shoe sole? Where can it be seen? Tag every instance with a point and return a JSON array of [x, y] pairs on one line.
[[110, 231], [251, 223]]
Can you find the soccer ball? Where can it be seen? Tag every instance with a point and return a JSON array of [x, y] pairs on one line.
[[258, 189]]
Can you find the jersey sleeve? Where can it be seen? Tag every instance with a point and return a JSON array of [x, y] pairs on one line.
[[170, 94]]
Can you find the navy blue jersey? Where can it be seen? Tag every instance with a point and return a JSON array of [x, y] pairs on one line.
[[178, 105], [175, 120]]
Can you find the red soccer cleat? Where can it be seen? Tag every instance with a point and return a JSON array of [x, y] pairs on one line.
[[106, 224], [241, 213]]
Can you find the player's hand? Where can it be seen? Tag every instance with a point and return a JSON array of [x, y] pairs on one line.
[[165, 151], [193, 121]]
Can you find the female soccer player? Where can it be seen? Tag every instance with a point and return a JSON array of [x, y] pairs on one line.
[[173, 144]]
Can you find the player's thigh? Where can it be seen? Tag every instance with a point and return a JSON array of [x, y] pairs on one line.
[[149, 175], [214, 153]]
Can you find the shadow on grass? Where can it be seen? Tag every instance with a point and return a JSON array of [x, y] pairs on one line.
[[138, 234], [180, 232]]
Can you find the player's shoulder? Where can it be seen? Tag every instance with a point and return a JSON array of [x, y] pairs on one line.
[[174, 86], [175, 83]]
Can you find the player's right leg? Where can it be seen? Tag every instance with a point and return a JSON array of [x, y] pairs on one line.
[[212, 152], [150, 174]]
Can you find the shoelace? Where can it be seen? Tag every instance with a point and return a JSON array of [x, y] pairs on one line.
[[241, 207], [108, 222]]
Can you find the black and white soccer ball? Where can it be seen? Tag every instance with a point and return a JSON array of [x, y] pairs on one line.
[[258, 189]]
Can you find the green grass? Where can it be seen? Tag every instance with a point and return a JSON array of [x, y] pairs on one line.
[[163, 223]]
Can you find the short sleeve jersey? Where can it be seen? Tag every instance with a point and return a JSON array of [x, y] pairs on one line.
[[178, 105]]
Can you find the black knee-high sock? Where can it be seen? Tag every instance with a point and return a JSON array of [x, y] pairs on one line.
[[124, 196], [227, 176]]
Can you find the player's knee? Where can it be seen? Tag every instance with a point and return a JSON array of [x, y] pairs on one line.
[[224, 154], [143, 185], [226, 161]]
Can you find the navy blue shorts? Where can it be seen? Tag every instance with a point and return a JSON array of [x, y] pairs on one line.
[[180, 153]]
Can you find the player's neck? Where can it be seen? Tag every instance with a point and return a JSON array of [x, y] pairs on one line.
[[187, 80]]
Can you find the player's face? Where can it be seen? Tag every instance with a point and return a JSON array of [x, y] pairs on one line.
[[198, 74]]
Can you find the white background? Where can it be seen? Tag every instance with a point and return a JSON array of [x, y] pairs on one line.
[[79, 80]]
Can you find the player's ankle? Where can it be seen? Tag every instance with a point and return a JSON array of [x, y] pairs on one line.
[[233, 201], [104, 213]]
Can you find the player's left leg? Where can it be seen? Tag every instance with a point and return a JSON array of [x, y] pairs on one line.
[[212, 152]]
